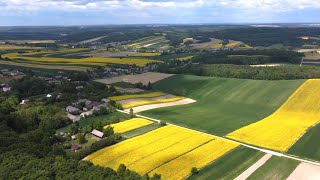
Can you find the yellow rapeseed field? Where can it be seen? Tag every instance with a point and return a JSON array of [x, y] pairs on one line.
[[153, 101], [132, 96], [106, 155], [185, 58], [129, 125], [85, 61], [281, 129], [233, 43], [181, 167], [171, 150], [14, 47]]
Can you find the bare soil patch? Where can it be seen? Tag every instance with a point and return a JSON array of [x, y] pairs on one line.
[[160, 105], [126, 101], [305, 171], [144, 78]]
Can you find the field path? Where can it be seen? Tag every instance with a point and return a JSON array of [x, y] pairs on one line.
[[305, 171], [254, 167]]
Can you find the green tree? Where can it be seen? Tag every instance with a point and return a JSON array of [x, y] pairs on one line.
[[81, 138], [121, 170], [194, 171], [131, 113], [108, 131]]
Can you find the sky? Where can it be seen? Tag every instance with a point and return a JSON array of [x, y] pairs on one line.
[[105, 12]]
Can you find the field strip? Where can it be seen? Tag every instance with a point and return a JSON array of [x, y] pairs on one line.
[[305, 171], [129, 125], [45, 66], [127, 101], [254, 167], [159, 105], [244, 144]]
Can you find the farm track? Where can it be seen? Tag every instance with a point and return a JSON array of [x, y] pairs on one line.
[[241, 143]]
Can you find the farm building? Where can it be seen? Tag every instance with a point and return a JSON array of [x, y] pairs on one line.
[[75, 147], [97, 133], [72, 110], [73, 117]]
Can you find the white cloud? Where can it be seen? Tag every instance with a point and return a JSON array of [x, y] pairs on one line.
[[35, 5]]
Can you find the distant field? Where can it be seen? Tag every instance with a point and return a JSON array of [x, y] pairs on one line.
[[85, 61], [147, 41], [144, 78], [146, 54], [185, 58], [223, 105], [14, 47]]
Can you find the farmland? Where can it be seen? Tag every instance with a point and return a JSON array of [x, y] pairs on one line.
[[275, 168], [129, 125], [166, 146], [292, 119], [94, 61], [223, 105], [307, 146]]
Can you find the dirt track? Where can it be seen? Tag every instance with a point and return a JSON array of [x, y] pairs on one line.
[[254, 167]]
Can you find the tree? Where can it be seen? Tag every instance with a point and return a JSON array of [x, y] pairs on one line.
[[194, 171], [81, 138], [131, 113], [74, 128], [149, 85], [108, 131], [121, 170]]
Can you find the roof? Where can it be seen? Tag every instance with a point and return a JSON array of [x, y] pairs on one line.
[[72, 109], [75, 147], [97, 133], [73, 117]]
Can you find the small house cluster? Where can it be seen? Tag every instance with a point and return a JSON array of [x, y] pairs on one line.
[[84, 108]]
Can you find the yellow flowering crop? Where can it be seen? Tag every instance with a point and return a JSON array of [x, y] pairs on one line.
[[171, 150], [85, 61], [154, 101], [129, 125], [181, 167], [132, 96], [234, 43], [185, 58], [106, 155], [281, 129], [149, 163]]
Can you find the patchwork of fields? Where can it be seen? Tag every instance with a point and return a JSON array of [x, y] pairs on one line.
[[166, 147], [281, 129]]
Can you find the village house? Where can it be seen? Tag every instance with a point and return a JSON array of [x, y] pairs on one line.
[[97, 133], [24, 101], [72, 110], [6, 89], [73, 118], [75, 147]]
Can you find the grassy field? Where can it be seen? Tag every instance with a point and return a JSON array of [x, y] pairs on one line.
[[275, 168], [223, 105], [230, 165], [140, 131], [308, 145]]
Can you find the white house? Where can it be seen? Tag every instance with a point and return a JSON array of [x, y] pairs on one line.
[[97, 133], [49, 96], [73, 117], [6, 89], [72, 109], [87, 113], [24, 101]]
